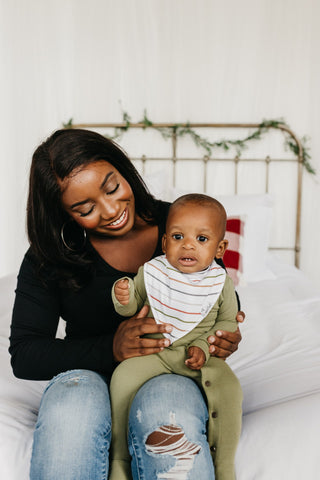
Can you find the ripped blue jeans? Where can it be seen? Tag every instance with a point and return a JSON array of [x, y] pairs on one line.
[[167, 430]]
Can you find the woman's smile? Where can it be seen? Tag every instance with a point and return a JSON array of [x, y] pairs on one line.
[[120, 222]]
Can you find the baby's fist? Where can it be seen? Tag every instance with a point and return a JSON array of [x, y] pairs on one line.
[[121, 291], [196, 358]]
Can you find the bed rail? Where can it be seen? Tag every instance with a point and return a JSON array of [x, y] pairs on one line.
[[236, 159]]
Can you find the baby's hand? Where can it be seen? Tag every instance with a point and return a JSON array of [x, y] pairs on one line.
[[196, 358], [121, 291]]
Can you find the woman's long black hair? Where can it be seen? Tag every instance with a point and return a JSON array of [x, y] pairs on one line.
[[56, 158]]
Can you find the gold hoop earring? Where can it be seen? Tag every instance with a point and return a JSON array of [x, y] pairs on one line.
[[72, 247]]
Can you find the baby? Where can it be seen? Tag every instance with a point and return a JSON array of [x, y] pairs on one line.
[[188, 289]]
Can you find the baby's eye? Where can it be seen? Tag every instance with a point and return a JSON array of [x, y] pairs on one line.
[[177, 236], [202, 238]]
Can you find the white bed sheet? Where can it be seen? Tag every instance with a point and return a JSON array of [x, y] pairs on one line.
[[277, 364], [281, 442], [279, 356]]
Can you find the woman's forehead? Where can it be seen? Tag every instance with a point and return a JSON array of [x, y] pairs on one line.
[[90, 172], [84, 180]]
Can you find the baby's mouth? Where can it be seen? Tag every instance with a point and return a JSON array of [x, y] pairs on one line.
[[187, 261]]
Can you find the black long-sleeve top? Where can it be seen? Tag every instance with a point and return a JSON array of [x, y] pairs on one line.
[[91, 320]]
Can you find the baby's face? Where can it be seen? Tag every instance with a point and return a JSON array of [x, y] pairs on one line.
[[193, 237]]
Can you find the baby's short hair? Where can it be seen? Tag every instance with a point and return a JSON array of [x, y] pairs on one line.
[[203, 201], [197, 198]]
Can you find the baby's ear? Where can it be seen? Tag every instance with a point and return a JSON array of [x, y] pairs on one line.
[[164, 243], [222, 247]]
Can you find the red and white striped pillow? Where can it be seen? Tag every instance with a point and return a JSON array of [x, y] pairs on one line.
[[233, 257]]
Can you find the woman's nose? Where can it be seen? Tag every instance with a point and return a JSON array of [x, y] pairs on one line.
[[109, 210]]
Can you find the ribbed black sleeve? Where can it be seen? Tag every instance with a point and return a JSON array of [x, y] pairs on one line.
[[35, 352]]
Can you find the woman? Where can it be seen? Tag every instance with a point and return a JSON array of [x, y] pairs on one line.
[[91, 220]]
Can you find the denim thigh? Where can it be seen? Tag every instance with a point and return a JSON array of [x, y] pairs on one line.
[[167, 431], [72, 436]]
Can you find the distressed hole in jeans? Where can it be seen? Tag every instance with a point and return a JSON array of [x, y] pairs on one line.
[[171, 440], [139, 415], [71, 381]]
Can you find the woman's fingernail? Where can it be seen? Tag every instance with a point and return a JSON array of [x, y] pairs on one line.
[[168, 328], [166, 343], [219, 333], [212, 349]]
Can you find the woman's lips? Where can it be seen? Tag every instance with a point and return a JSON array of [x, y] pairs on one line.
[[120, 222]]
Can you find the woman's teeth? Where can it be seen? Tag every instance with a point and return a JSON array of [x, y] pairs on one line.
[[119, 219]]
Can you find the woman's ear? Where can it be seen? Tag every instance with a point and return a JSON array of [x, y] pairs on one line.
[[164, 243], [222, 247]]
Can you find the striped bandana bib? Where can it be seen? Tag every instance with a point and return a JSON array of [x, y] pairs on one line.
[[181, 299]]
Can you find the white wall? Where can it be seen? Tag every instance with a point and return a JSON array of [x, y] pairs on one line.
[[203, 60]]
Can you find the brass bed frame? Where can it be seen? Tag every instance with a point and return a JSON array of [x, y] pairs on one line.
[[174, 158]]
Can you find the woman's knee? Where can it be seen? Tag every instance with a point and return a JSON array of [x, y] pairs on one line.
[[167, 429], [73, 431], [75, 405], [169, 399], [72, 393]]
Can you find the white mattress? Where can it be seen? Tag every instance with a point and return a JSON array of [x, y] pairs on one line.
[[277, 364], [279, 356]]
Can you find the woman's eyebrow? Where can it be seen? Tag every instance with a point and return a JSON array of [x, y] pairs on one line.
[[79, 203], [106, 178]]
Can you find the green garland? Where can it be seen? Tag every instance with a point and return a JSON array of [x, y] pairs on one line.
[[184, 130]]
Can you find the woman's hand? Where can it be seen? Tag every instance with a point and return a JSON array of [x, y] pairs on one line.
[[127, 341], [224, 343]]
